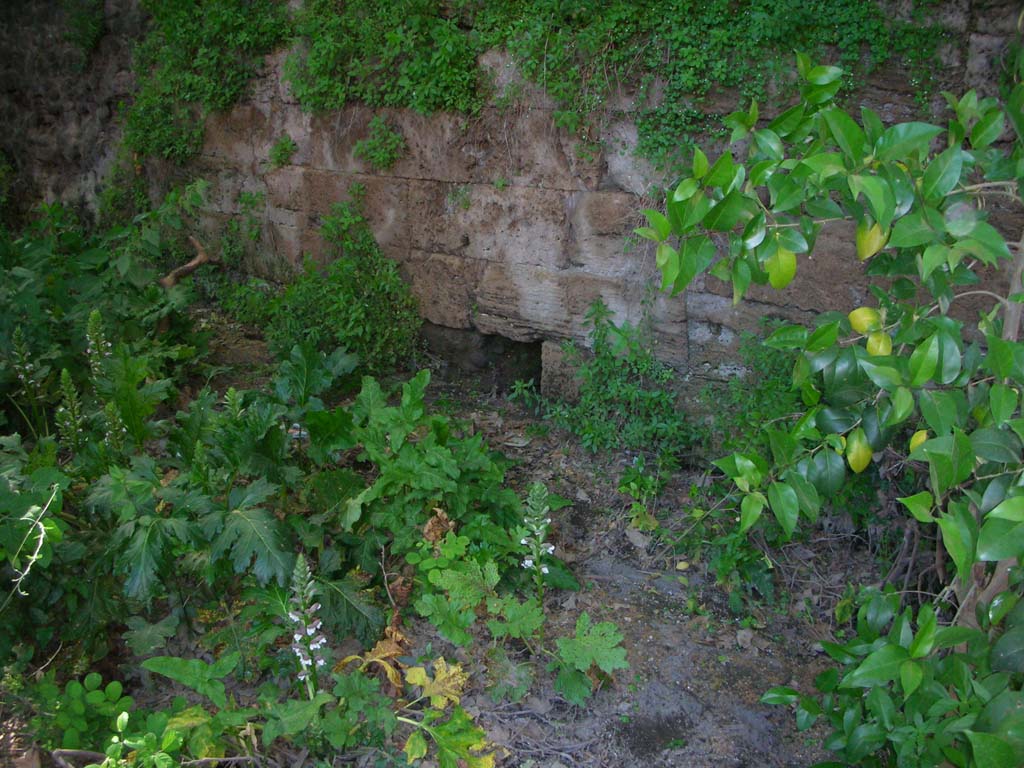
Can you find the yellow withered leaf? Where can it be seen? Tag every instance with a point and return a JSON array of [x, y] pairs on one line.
[[446, 686]]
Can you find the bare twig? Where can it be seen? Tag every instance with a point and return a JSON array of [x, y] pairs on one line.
[[202, 257]]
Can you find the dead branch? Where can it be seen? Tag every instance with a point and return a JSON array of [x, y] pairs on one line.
[[172, 278]]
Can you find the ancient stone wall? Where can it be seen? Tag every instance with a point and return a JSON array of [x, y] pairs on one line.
[[503, 223]]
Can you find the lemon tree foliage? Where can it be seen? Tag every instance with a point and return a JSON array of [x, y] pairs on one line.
[[907, 383]]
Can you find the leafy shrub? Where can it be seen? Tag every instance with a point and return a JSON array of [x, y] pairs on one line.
[[868, 379], [359, 301], [624, 400], [282, 151], [197, 56], [382, 147]]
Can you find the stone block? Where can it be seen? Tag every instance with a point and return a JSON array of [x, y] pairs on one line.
[[444, 286]]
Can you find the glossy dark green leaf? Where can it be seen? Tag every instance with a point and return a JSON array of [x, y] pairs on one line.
[[792, 239], [785, 505], [769, 143], [1000, 539], [991, 751], [787, 122], [848, 135], [879, 195], [988, 129], [879, 668], [924, 361], [728, 212], [911, 231], [900, 141], [1002, 403], [659, 223], [959, 536], [993, 444], [824, 337], [827, 472], [754, 232], [942, 174], [1008, 651], [721, 173]]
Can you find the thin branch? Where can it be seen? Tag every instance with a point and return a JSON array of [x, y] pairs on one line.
[[202, 257]]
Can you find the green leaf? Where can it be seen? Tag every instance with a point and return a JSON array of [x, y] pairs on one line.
[[900, 141], [659, 223], [827, 472], [848, 135], [992, 444], [823, 338], [879, 194], [959, 532], [924, 361], [750, 510], [991, 751], [924, 640], [721, 173], [988, 129], [902, 407], [594, 645], [727, 212], [254, 536], [780, 695], [911, 676], [1000, 539], [920, 506], [781, 268], [1011, 509], [700, 163], [769, 143], [1008, 651], [785, 505], [1002, 402], [879, 668], [823, 75], [911, 231], [942, 174]]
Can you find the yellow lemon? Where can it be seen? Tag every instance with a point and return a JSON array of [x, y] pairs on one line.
[[858, 451], [879, 344], [917, 438], [870, 240], [865, 319]]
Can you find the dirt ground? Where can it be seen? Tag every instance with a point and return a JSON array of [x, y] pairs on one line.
[[690, 696]]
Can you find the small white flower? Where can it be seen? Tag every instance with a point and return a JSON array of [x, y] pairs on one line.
[[297, 637], [543, 569], [524, 541], [549, 548], [528, 562], [320, 662], [295, 617]]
